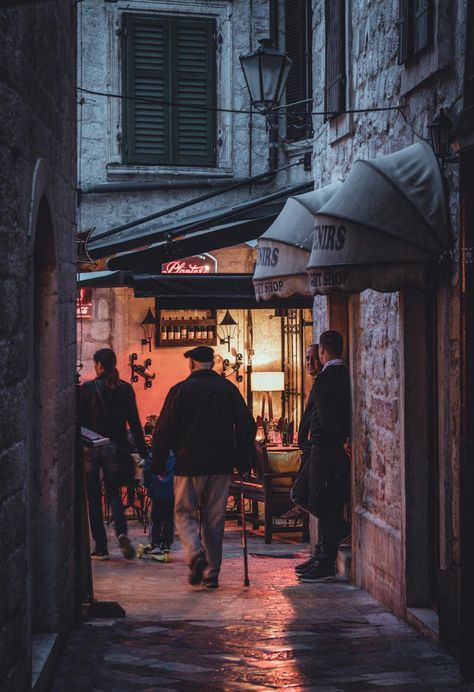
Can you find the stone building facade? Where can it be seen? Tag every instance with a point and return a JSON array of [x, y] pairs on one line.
[[404, 347], [37, 335]]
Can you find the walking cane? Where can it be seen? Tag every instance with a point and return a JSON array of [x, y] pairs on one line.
[[244, 534]]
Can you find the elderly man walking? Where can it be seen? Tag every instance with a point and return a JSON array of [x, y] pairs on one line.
[[207, 424]]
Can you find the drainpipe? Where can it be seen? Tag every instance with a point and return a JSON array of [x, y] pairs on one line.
[[105, 188]]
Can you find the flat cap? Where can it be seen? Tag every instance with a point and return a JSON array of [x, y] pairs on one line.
[[202, 354]]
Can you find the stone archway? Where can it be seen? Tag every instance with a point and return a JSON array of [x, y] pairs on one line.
[[43, 475]]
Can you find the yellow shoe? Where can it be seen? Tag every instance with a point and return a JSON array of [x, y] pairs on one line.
[[141, 550]]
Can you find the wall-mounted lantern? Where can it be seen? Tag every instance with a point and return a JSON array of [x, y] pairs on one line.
[[149, 327], [266, 71], [440, 131], [228, 326]]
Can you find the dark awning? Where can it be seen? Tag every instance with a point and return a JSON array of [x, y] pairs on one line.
[[383, 227], [151, 259], [268, 205], [283, 250], [207, 291], [105, 279]]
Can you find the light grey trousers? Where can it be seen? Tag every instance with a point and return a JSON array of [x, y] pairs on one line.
[[211, 492]]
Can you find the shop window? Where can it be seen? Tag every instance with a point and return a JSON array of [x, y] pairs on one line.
[[335, 86], [169, 59], [298, 46], [414, 32]]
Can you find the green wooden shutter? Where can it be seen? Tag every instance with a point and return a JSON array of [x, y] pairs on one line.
[[403, 42], [169, 59], [299, 85], [146, 123], [335, 91], [421, 25], [194, 84]]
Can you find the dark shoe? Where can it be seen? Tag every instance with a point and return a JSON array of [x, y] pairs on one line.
[[100, 554], [303, 566], [198, 566], [128, 551], [319, 571], [210, 583]]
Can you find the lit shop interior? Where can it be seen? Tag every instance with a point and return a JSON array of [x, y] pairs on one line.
[[151, 324]]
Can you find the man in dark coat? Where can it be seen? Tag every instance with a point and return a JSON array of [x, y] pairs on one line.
[[329, 466], [207, 424]]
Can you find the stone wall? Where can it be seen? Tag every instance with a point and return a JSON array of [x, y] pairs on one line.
[[37, 121], [422, 86], [100, 119]]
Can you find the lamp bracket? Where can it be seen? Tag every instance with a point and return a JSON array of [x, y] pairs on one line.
[[234, 367], [141, 371]]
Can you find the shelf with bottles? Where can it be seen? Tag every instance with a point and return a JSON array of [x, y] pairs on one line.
[[186, 328]]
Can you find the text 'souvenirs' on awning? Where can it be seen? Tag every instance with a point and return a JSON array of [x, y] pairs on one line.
[[283, 251], [384, 227]]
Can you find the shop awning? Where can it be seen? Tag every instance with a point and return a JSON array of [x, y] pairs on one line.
[[266, 206], [283, 251], [105, 279], [150, 259], [207, 291], [383, 227]]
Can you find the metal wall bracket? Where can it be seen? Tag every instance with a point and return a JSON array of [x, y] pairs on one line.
[[141, 371]]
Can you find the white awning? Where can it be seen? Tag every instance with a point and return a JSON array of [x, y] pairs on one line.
[[283, 250], [383, 227]]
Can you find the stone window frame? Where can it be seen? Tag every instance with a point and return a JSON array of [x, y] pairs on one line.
[[221, 12], [434, 58], [341, 126]]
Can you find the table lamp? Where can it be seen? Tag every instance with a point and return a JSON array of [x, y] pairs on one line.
[[267, 382]]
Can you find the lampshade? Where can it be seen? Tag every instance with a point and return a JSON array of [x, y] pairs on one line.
[[265, 70], [268, 381]]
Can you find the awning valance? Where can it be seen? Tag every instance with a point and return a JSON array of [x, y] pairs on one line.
[[190, 291], [383, 227], [206, 291], [283, 250]]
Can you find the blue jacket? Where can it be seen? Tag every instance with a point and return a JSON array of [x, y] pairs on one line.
[[159, 489]]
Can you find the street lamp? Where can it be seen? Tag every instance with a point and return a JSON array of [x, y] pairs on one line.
[[266, 71], [440, 134], [228, 325], [148, 326]]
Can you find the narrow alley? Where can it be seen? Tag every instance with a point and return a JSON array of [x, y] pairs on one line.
[[276, 634]]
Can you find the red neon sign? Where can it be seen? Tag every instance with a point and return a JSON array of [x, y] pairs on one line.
[[84, 304]]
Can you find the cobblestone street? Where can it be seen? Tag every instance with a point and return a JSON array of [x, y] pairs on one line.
[[277, 634]]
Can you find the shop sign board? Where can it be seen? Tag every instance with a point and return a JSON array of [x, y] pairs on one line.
[[197, 264]]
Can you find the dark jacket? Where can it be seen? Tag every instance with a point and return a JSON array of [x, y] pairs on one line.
[[305, 425], [207, 424], [331, 417], [121, 409]]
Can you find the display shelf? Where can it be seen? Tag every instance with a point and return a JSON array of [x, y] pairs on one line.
[[177, 321]]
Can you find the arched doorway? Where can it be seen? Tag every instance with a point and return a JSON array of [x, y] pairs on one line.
[[43, 466]]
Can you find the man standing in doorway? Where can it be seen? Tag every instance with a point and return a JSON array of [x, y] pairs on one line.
[[313, 368], [329, 466], [207, 424]]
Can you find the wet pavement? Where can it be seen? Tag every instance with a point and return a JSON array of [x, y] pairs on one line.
[[276, 634]]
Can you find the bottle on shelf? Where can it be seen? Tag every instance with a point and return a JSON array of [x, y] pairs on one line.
[[191, 332], [210, 332], [176, 332], [164, 333], [169, 333], [183, 331], [285, 433]]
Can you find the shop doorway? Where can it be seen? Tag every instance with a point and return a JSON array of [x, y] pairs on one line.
[[43, 471], [421, 468]]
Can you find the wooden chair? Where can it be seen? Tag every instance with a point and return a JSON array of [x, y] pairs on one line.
[[262, 487]]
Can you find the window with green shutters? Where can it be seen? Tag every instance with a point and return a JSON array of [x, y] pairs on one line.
[[172, 60], [414, 28]]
